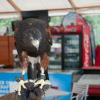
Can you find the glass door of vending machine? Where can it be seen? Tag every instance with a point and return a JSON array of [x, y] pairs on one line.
[[66, 52], [72, 51], [56, 52]]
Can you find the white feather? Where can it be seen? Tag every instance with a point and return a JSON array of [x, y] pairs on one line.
[[36, 43]]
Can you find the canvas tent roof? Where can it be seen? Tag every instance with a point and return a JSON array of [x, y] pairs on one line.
[[80, 6]]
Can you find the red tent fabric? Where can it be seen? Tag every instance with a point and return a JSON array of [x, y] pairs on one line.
[[97, 56]]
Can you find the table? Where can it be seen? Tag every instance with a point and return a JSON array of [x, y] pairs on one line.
[[93, 80], [61, 80], [55, 93]]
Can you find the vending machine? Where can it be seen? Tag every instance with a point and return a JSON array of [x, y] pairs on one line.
[[74, 48], [66, 49], [73, 42]]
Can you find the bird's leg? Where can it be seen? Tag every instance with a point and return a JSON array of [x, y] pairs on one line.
[[40, 68], [44, 61], [24, 62], [43, 66], [42, 74]]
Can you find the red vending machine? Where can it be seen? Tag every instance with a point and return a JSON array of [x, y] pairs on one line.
[[74, 40], [67, 46]]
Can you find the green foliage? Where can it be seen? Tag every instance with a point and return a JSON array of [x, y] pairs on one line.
[[56, 20], [6, 25], [95, 22]]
